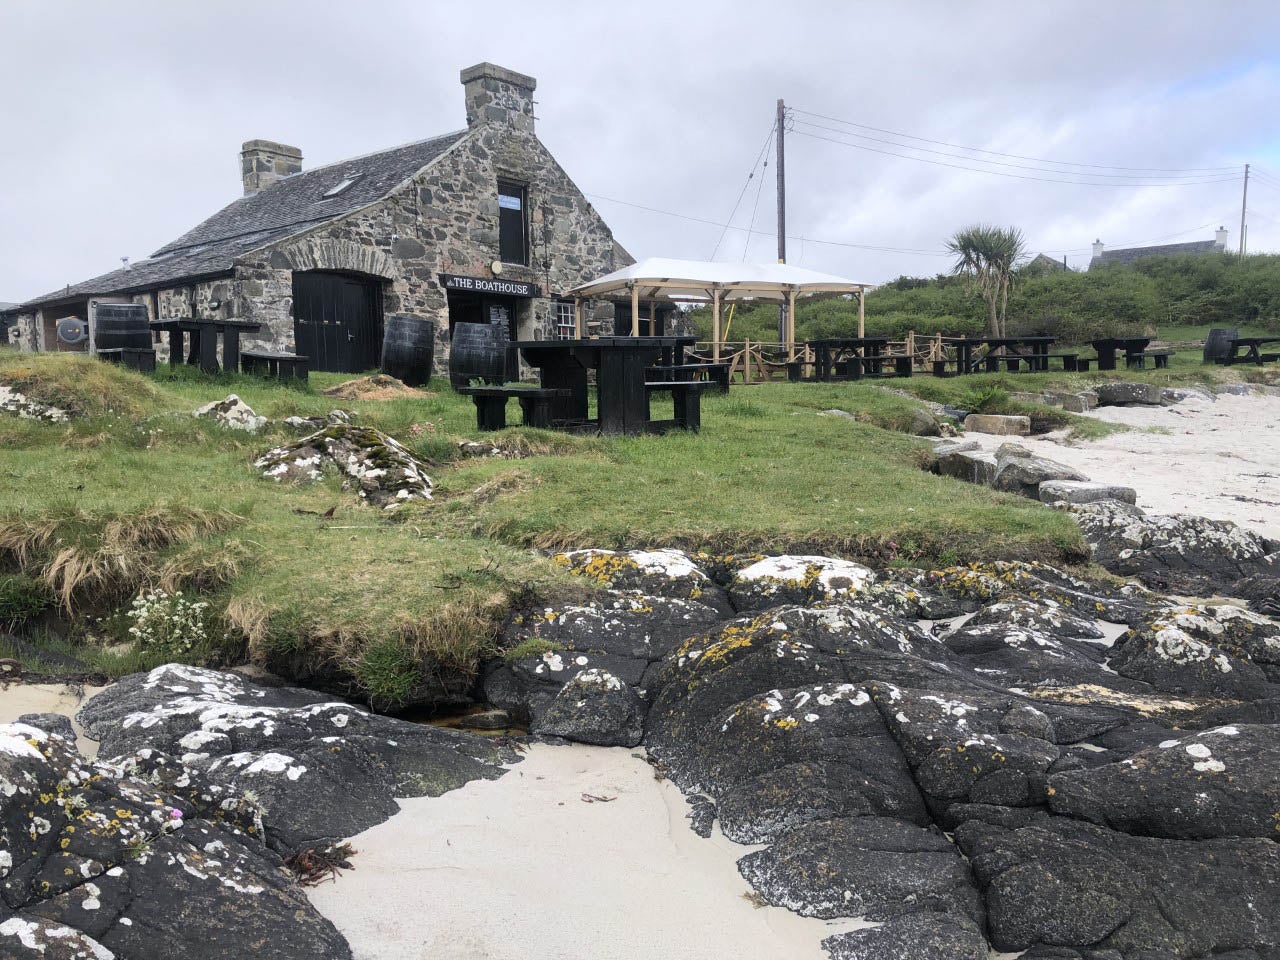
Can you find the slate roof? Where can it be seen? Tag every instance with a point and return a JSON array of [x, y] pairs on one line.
[[287, 207], [1130, 254]]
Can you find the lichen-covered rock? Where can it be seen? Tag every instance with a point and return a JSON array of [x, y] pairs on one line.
[[97, 862], [320, 769], [232, 413], [797, 579], [1120, 394], [1047, 615], [375, 465], [1019, 471], [312, 424], [1065, 883], [1214, 783], [920, 936], [871, 867], [19, 404], [1179, 554], [1084, 491], [594, 707], [659, 573]]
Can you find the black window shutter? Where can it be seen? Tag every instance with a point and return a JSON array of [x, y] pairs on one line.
[[513, 229]]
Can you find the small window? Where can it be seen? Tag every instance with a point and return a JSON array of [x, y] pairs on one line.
[[342, 187], [562, 316], [513, 223]]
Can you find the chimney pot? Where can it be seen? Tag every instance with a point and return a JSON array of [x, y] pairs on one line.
[[263, 162], [495, 94], [1098, 247], [1220, 238]]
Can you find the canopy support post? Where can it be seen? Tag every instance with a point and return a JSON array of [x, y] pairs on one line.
[[577, 317], [791, 324], [715, 325], [862, 316], [653, 318], [635, 311]]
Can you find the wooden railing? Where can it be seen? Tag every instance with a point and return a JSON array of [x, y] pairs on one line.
[[758, 361]]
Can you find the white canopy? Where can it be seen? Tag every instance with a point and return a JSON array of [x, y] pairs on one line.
[[662, 278]]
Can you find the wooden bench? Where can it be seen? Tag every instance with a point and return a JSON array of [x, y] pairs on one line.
[[491, 405], [1070, 361], [716, 373], [280, 366], [1139, 360], [687, 396], [135, 358]]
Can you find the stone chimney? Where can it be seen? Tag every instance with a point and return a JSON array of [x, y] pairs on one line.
[[263, 162], [497, 95], [1220, 238], [1098, 246]]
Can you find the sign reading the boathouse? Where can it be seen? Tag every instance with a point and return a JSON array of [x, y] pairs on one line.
[[504, 288]]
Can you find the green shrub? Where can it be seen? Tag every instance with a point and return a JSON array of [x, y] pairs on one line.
[[22, 599]]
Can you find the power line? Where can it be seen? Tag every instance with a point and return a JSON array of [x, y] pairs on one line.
[[760, 156], [1017, 166], [755, 208], [1014, 156], [1143, 243], [1015, 176]]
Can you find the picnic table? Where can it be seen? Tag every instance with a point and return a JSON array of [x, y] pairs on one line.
[[1012, 351], [204, 340], [620, 363], [1252, 347], [858, 356], [1108, 347]]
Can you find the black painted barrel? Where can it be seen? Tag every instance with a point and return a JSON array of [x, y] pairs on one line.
[[1218, 344], [476, 353], [408, 349], [118, 325]]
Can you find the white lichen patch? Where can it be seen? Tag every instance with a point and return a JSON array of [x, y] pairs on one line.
[[601, 679], [834, 577], [1175, 645]]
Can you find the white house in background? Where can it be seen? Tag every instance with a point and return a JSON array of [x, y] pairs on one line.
[[1103, 256]]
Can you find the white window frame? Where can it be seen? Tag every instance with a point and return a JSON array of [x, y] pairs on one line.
[[563, 320]]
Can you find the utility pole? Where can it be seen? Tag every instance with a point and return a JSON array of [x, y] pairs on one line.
[[780, 126], [1244, 203]]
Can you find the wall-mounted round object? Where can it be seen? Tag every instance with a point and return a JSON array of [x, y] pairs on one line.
[[72, 330], [496, 267]]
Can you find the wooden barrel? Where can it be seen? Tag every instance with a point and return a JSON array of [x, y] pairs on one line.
[[408, 349], [1218, 344], [118, 325], [475, 353]]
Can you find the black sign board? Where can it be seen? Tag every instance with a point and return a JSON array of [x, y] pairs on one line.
[[492, 285]]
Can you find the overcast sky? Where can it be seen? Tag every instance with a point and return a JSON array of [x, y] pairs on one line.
[[122, 122]]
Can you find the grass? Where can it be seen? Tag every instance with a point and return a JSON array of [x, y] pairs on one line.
[[139, 494]]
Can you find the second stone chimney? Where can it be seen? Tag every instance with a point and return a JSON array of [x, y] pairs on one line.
[[1220, 238], [263, 162], [1098, 247], [497, 95]]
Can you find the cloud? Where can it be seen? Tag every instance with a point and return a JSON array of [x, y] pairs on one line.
[[123, 122]]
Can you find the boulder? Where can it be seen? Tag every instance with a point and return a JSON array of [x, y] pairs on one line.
[[312, 424], [972, 466], [1081, 402], [920, 936], [659, 573], [797, 579], [958, 445], [381, 470], [1019, 471], [232, 413], [594, 707], [1180, 554], [1084, 491], [19, 404], [320, 769], [924, 424], [1117, 393], [96, 862], [998, 424]]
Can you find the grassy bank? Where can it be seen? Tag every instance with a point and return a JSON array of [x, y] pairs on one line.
[[137, 494]]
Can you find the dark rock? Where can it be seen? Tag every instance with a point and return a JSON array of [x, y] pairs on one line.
[[1046, 615], [659, 573], [1168, 654], [320, 770], [1216, 783], [915, 937], [95, 862], [594, 707], [486, 720], [54, 723], [1061, 882], [871, 867], [1179, 554], [701, 815]]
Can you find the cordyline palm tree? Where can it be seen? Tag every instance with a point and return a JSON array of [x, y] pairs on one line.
[[989, 255]]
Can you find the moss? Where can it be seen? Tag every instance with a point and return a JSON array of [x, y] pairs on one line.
[[531, 647], [22, 599], [388, 672]]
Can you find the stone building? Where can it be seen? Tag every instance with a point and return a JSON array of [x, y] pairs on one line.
[[1103, 257], [480, 225]]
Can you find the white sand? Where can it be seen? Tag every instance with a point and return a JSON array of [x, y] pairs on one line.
[[19, 698], [1207, 453], [522, 868]]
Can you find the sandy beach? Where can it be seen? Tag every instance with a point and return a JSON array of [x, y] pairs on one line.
[[1218, 458], [528, 866]]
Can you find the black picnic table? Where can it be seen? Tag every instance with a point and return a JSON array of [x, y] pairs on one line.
[[1252, 350], [620, 364], [204, 340], [1107, 348], [859, 355], [1033, 350]]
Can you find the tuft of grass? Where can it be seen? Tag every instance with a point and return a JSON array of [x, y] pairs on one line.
[[79, 384], [22, 599], [530, 647]]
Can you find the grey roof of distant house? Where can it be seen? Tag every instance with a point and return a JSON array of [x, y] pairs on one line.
[[1130, 254], [287, 207]]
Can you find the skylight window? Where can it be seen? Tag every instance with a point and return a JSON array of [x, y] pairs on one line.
[[342, 187]]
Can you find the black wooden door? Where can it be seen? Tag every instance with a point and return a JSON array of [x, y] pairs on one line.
[[337, 321]]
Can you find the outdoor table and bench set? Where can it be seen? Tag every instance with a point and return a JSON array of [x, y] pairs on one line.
[[1249, 350], [628, 371], [204, 337], [849, 358]]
